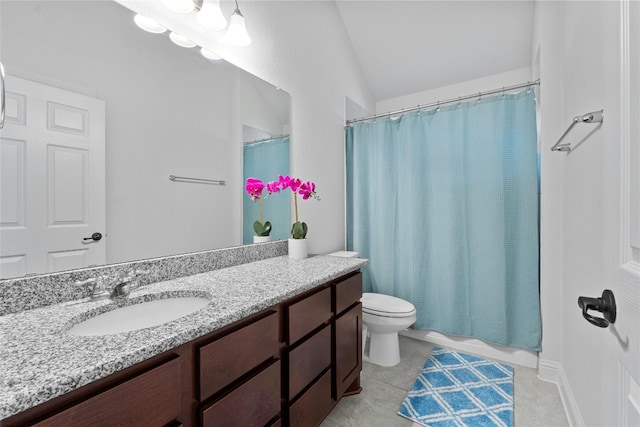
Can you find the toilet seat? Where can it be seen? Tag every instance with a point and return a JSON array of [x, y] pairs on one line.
[[386, 306]]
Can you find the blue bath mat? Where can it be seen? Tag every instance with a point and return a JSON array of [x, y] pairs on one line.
[[457, 389]]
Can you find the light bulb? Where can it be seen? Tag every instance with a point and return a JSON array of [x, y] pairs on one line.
[[210, 16], [148, 24], [209, 54], [181, 40], [237, 32], [180, 6]]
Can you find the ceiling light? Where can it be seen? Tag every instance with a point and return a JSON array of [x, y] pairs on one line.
[[237, 32], [209, 54], [148, 24], [180, 6], [181, 40], [210, 16]]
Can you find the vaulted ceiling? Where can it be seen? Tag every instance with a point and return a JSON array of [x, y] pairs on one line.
[[406, 47]]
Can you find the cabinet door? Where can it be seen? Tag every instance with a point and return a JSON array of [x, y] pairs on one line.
[[152, 398], [348, 347]]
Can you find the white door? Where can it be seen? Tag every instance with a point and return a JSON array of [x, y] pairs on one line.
[[52, 180], [625, 342]]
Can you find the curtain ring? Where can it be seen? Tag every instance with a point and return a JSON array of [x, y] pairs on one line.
[[437, 106]]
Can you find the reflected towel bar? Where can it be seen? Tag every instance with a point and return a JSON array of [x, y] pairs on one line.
[[201, 180], [593, 117]]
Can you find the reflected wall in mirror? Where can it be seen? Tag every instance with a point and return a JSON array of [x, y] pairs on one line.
[[100, 113]]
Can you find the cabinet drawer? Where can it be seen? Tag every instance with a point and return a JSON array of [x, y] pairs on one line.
[[308, 314], [348, 292], [254, 403], [314, 405], [151, 398], [227, 359], [308, 360]]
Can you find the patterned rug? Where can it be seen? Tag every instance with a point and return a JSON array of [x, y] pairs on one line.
[[457, 389]]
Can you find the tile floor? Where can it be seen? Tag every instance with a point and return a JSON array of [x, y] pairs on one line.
[[537, 403]]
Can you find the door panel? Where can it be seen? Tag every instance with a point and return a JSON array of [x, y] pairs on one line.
[[53, 180]]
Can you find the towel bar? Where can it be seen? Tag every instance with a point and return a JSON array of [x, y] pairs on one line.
[[593, 117], [201, 180]]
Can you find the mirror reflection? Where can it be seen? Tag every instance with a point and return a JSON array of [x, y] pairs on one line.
[[99, 114]]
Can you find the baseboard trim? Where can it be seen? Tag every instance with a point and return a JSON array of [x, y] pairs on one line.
[[552, 371], [519, 357], [549, 370]]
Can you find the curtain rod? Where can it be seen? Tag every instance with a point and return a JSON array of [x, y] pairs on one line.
[[265, 139], [448, 101]]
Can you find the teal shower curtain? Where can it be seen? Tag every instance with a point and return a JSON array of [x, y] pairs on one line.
[[444, 204], [266, 160]]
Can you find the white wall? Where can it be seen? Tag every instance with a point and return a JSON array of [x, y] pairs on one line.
[[302, 47], [496, 81], [579, 67], [548, 57]]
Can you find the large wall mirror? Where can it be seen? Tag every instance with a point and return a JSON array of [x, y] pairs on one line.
[[99, 115]]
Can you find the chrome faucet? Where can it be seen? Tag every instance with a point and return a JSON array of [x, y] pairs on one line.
[[113, 287]]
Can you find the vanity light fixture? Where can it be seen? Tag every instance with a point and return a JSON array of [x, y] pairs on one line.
[[210, 15], [209, 54], [148, 24], [180, 6], [181, 40], [237, 32]]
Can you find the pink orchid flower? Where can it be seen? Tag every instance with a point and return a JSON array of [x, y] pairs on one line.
[[307, 189], [254, 188]]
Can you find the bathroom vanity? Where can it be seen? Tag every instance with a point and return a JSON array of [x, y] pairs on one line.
[[278, 345]]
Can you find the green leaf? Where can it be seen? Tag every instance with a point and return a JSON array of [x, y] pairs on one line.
[[262, 229], [299, 230]]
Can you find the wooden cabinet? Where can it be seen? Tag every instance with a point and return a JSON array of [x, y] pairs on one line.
[[348, 351], [256, 402], [150, 398], [226, 359], [308, 313], [287, 365]]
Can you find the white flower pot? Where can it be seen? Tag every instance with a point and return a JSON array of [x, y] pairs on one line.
[[298, 248], [261, 239]]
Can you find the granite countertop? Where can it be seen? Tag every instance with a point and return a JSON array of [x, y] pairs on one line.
[[39, 361]]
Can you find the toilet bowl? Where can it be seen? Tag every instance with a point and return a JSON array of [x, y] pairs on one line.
[[385, 316]]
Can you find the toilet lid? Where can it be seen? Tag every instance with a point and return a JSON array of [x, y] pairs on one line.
[[386, 305]]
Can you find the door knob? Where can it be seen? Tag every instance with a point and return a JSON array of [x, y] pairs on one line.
[[95, 237], [606, 305]]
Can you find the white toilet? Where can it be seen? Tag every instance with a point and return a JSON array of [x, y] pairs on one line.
[[383, 316]]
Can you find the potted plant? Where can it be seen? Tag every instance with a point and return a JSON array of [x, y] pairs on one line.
[[262, 229], [297, 242]]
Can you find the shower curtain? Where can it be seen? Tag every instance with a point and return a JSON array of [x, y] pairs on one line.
[[444, 204], [265, 160]]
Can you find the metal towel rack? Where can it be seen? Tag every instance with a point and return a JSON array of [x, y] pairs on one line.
[[201, 180], [593, 117]]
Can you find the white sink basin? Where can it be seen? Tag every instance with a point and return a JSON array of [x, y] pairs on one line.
[[139, 316]]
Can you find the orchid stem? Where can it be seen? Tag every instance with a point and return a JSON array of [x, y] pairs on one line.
[[295, 204], [261, 218]]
